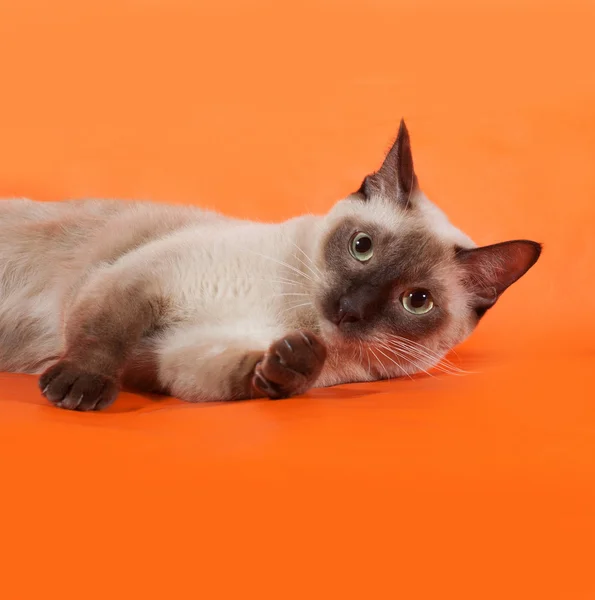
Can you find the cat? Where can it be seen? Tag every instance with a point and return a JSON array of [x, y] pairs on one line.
[[100, 294]]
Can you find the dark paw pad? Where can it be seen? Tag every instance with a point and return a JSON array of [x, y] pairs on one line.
[[291, 366], [69, 386]]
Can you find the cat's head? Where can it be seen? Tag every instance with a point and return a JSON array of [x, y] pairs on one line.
[[400, 281]]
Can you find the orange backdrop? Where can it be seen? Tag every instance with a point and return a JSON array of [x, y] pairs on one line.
[[447, 487]]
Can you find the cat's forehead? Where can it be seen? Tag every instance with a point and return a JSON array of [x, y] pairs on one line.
[[382, 212], [422, 215]]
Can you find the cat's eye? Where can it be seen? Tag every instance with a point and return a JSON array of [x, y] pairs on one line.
[[418, 302], [361, 247]]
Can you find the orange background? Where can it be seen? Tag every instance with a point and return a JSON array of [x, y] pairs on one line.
[[447, 487]]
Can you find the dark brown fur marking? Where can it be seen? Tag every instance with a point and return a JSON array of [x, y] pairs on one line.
[[399, 263], [242, 375], [101, 332], [291, 366], [396, 178]]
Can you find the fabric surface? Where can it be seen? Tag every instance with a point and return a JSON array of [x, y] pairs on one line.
[[480, 486]]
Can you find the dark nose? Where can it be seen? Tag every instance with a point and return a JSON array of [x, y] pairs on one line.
[[349, 311], [360, 304]]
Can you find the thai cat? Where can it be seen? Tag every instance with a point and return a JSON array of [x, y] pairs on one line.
[[97, 294]]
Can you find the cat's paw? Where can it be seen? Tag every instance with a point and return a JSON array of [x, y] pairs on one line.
[[291, 365], [69, 386]]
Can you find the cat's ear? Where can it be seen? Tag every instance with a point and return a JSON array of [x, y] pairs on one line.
[[396, 177], [489, 270]]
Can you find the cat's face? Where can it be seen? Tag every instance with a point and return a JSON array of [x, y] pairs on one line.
[[401, 284]]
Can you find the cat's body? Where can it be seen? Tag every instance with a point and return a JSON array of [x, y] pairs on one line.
[[204, 307]]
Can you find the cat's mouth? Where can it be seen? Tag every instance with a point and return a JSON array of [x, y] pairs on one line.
[[344, 321]]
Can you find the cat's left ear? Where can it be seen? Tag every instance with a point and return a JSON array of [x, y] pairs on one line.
[[488, 271], [396, 177]]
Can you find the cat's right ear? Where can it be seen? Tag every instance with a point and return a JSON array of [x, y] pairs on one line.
[[489, 270], [396, 179]]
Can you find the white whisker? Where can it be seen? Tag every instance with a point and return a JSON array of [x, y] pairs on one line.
[[380, 362], [404, 357], [314, 273], [419, 356], [284, 281], [284, 264], [318, 273], [424, 353], [369, 363], [290, 294], [392, 360], [293, 307]]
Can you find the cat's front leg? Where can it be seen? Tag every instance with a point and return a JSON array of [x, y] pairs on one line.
[[290, 366], [196, 365]]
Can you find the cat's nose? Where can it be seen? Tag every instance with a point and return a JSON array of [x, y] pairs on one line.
[[349, 311], [359, 304]]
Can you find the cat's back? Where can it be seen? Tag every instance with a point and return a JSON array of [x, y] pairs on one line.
[[46, 247], [45, 242], [74, 234], [35, 235]]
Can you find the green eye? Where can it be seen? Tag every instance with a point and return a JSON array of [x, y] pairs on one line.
[[418, 302], [361, 247]]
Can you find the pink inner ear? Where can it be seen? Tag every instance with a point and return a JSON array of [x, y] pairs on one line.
[[489, 270]]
